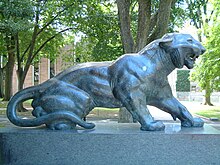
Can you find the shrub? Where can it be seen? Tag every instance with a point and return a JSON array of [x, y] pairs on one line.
[[183, 83]]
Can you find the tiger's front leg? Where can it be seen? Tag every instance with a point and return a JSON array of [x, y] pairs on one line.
[[135, 103], [177, 110]]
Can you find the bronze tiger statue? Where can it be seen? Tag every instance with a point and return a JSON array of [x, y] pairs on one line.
[[132, 81]]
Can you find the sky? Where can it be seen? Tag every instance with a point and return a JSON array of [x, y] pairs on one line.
[[189, 29]]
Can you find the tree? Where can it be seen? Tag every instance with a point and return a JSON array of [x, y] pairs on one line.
[[43, 38], [101, 38], [207, 70], [14, 17], [197, 11], [27, 28], [201, 16]]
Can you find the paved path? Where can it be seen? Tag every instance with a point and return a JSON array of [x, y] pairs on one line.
[[191, 106]]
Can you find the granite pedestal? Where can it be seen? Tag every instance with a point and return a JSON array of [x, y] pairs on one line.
[[112, 144]]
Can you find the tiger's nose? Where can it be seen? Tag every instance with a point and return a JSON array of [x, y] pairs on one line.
[[203, 50]]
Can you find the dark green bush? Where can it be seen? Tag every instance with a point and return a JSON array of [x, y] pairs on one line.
[[183, 83]]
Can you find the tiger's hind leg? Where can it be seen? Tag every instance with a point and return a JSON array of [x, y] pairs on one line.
[[61, 125], [71, 103], [38, 111]]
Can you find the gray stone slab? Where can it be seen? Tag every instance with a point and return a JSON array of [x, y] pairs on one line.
[[110, 143]]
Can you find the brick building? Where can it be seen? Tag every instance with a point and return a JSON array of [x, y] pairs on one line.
[[38, 73], [44, 70]]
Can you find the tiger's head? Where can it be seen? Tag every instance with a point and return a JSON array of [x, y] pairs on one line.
[[183, 49]]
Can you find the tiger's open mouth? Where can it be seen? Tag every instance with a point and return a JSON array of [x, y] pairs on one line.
[[190, 59]]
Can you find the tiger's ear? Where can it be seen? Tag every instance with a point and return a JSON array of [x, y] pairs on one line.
[[165, 43]]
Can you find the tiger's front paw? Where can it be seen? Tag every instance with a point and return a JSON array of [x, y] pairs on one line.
[[153, 126], [197, 122]]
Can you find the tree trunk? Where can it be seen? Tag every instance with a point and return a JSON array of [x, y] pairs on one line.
[[9, 68], [163, 18], [9, 77], [125, 116], [208, 94], [20, 75], [1, 83], [144, 19], [125, 25], [21, 79]]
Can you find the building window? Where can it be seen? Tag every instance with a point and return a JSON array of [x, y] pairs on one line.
[[36, 74], [52, 69], [193, 88]]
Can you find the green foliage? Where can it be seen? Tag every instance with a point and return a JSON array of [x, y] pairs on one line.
[[18, 18], [106, 52], [15, 16], [207, 69], [99, 24], [195, 10], [183, 83], [91, 49], [178, 15], [3, 50]]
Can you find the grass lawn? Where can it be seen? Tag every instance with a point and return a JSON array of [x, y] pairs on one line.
[[211, 113], [3, 104]]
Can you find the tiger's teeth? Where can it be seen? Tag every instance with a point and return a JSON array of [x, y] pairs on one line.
[[195, 57]]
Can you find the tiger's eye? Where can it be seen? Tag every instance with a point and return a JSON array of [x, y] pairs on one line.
[[189, 40]]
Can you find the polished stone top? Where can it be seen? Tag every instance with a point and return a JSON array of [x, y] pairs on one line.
[[120, 128], [133, 128]]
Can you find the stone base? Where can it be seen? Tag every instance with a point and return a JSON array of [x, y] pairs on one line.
[[113, 143]]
